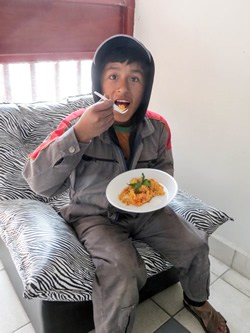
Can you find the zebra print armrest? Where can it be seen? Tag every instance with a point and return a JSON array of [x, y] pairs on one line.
[[199, 213], [53, 264]]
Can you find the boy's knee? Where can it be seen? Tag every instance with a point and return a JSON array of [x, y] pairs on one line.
[[201, 242], [201, 253], [204, 243]]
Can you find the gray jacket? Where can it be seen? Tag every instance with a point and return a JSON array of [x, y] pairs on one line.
[[88, 168]]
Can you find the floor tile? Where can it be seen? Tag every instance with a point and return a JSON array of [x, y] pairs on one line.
[[233, 305], [26, 329], [149, 317], [12, 314], [213, 277], [172, 326], [185, 318], [217, 266], [238, 281], [230, 294], [170, 299]]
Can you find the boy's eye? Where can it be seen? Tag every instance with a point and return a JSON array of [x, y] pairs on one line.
[[113, 76], [135, 79]]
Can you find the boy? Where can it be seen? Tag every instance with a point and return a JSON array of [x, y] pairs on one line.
[[99, 146]]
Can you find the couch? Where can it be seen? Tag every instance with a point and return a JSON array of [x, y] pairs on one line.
[[50, 270]]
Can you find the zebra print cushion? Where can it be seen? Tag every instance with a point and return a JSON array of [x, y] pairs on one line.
[[22, 128], [51, 262], [197, 212]]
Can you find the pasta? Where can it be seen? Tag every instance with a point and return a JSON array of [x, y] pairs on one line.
[[122, 106], [140, 190]]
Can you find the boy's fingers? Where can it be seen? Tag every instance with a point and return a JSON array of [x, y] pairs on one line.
[[104, 105]]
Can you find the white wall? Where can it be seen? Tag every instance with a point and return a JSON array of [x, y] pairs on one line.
[[202, 86]]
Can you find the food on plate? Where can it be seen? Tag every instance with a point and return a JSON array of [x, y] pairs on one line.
[[140, 190]]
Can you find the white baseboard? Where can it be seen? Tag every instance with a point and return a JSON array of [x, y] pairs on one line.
[[231, 256]]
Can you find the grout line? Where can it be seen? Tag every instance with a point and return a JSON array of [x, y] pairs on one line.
[[183, 308], [230, 284], [160, 307], [171, 316], [16, 330], [220, 276], [224, 246], [217, 278]]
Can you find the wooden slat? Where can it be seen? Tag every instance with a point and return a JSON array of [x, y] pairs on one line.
[[60, 29]]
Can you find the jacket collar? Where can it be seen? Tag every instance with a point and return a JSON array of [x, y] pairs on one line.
[[144, 129]]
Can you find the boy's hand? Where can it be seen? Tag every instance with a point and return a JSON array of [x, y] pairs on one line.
[[94, 121]]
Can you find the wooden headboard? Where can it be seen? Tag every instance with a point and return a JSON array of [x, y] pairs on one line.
[[33, 30]]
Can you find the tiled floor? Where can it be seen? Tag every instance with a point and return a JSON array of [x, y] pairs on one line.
[[164, 313]]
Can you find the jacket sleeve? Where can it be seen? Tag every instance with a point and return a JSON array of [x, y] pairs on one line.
[[48, 168], [165, 160]]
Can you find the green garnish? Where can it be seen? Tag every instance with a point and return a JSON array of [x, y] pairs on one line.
[[138, 184]]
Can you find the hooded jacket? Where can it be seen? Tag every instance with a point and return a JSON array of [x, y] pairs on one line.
[[139, 51], [62, 162]]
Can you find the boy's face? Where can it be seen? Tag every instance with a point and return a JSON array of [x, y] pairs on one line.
[[124, 83]]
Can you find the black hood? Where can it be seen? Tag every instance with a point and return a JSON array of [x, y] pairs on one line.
[[110, 47]]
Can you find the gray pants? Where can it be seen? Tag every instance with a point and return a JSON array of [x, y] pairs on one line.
[[120, 271]]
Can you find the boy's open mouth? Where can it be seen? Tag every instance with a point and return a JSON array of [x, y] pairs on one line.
[[123, 105]]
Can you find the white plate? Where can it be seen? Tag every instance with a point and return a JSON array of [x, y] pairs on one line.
[[116, 186]]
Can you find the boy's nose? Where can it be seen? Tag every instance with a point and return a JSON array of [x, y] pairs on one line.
[[123, 86]]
